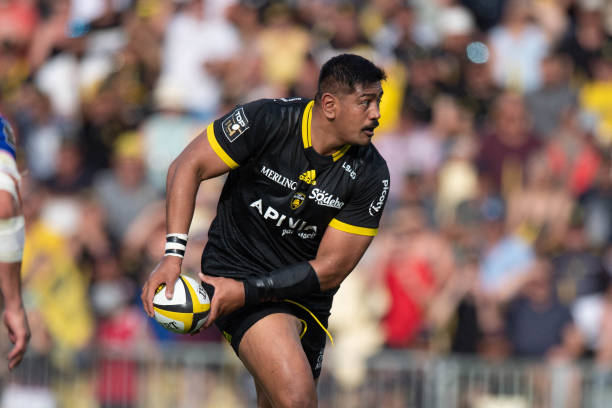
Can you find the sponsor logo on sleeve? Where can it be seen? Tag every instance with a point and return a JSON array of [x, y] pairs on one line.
[[377, 205], [235, 124]]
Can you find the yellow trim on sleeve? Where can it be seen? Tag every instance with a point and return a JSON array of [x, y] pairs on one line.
[[306, 122], [212, 140], [353, 229]]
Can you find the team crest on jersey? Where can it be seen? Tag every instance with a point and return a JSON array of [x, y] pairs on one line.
[[309, 177], [297, 200], [235, 124]]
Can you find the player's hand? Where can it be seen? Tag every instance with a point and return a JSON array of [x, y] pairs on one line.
[[229, 296], [167, 271], [16, 322]]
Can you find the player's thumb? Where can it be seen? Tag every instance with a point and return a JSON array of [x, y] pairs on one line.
[[206, 279], [169, 289]]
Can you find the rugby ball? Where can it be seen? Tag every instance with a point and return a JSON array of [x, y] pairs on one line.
[[188, 309]]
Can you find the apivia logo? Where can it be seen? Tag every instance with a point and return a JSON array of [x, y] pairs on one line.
[[325, 199], [235, 124], [288, 224], [376, 206]]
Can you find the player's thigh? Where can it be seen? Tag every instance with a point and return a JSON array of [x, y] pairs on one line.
[[271, 350]]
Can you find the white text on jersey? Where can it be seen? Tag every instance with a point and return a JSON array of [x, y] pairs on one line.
[[278, 178], [304, 230], [326, 199], [375, 207]]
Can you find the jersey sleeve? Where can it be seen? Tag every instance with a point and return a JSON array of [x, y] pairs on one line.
[[240, 133], [361, 215]]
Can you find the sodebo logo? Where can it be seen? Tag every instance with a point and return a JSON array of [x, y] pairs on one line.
[[326, 199], [376, 207]]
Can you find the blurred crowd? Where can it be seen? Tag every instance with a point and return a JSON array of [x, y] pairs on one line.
[[496, 126]]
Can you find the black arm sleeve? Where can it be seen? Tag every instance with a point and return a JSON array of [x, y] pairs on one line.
[[290, 281]]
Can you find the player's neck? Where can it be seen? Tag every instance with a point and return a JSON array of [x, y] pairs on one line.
[[323, 135]]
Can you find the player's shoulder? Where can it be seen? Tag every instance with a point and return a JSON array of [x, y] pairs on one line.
[[276, 104], [370, 157], [272, 108]]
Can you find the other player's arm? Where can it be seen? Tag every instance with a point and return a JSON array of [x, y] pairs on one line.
[[339, 252], [11, 235], [197, 162]]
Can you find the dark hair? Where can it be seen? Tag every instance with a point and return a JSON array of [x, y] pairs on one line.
[[341, 73]]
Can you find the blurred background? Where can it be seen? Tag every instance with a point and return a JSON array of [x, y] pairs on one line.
[[489, 282]]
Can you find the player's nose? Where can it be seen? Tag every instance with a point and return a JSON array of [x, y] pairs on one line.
[[374, 113]]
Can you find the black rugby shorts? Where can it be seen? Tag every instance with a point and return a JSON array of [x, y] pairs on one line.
[[313, 337]]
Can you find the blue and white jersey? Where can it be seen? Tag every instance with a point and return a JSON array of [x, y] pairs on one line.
[[7, 137], [7, 149]]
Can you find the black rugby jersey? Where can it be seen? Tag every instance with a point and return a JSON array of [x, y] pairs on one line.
[[281, 195]]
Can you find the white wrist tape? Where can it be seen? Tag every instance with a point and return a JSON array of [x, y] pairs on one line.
[[12, 239], [7, 183], [176, 244]]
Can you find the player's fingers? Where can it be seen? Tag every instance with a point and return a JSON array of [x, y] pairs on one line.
[[143, 298], [17, 352], [147, 299], [12, 336], [212, 316]]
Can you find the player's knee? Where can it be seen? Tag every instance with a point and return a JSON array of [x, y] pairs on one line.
[[299, 396], [8, 206]]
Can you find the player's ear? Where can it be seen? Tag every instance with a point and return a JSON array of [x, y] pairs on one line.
[[329, 105]]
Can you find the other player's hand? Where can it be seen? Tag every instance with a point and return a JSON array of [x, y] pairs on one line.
[[167, 271], [16, 322], [229, 296]]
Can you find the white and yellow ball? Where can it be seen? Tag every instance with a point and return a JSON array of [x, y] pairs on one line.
[[188, 309]]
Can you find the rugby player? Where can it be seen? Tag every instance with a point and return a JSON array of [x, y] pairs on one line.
[[12, 235], [302, 202]]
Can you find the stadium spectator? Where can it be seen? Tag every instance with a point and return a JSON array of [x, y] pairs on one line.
[[540, 209], [586, 42], [506, 146], [517, 47], [417, 266], [555, 97], [597, 205], [123, 191], [537, 324], [196, 47]]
